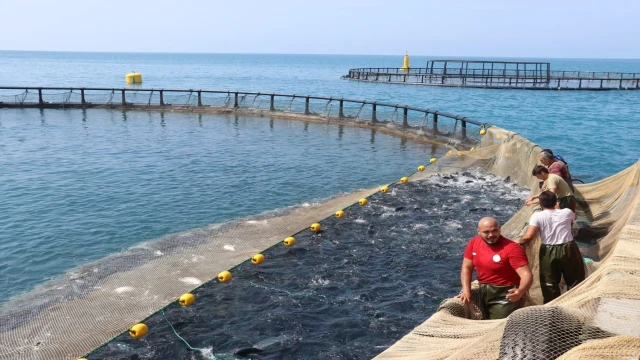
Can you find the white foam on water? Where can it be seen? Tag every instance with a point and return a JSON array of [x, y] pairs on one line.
[[453, 224], [124, 289], [229, 247], [319, 282], [158, 253], [257, 222], [191, 280], [360, 221]]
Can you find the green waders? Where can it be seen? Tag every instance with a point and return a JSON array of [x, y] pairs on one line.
[[567, 202], [558, 261], [494, 301]]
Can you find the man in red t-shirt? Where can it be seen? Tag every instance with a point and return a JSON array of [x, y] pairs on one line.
[[502, 268]]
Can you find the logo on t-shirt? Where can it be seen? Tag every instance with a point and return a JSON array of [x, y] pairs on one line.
[[496, 258], [474, 254]]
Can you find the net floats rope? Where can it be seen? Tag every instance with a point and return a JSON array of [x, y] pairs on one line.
[[363, 202], [384, 189], [404, 180], [315, 227], [186, 299], [421, 168], [257, 259], [290, 241], [224, 276], [138, 331], [339, 214]]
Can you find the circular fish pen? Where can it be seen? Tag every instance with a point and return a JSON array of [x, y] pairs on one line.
[[327, 268]]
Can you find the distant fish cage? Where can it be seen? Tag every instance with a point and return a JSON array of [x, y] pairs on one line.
[[498, 75]]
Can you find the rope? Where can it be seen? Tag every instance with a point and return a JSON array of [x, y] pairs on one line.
[[24, 96], [325, 108], [110, 102], [290, 102], [358, 114], [188, 102], [395, 113], [303, 293], [254, 101], [203, 351]]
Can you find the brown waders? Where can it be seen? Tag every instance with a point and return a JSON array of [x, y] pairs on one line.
[[558, 261], [494, 301]]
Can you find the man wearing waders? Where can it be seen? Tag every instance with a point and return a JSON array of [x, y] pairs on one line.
[[559, 254], [503, 271]]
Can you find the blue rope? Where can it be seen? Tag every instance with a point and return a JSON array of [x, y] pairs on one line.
[[203, 351], [288, 292]]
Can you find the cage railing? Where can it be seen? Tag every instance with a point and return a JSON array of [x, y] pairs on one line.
[[432, 122]]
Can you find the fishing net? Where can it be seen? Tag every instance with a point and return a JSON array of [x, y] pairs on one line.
[[596, 319]]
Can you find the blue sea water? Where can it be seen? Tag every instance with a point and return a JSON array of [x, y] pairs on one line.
[[79, 185]]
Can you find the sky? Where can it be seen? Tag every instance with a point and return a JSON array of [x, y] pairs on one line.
[[486, 28]]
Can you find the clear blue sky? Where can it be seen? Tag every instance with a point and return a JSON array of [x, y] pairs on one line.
[[504, 28]]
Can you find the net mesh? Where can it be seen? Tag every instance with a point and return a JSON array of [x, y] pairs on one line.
[[596, 319]]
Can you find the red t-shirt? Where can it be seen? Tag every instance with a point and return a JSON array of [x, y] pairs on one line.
[[496, 264]]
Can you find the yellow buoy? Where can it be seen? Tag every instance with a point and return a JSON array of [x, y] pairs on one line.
[[363, 202], [315, 227], [133, 78], [138, 330], [224, 276], [384, 189], [483, 131], [257, 259], [421, 168], [186, 299], [290, 241], [459, 153], [339, 214], [405, 63], [404, 180]]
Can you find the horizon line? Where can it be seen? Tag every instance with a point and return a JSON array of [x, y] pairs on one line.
[[308, 54]]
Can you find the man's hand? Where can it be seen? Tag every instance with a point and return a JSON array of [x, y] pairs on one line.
[[514, 294], [465, 297]]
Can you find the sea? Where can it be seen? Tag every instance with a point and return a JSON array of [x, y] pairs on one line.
[[77, 186]]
